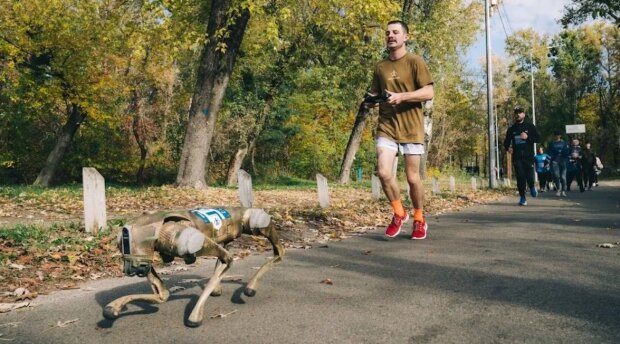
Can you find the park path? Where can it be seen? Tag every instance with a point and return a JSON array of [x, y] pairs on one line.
[[495, 273]]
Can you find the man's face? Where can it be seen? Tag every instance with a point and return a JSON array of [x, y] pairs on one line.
[[575, 142], [519, 117], [395, 36], [588, 146]]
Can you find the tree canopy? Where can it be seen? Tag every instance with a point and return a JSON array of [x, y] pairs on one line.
[[121, 85]]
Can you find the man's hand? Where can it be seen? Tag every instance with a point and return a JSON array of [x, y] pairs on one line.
[[509, 150], [395, 98], [423, 94], [524, 136]]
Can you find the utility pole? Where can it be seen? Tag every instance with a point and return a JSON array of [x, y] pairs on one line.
[[490, 116], [533, 102]]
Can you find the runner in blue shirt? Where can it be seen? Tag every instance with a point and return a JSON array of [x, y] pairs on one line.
[[543, 165]]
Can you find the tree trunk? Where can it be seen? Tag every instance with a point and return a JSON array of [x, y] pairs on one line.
[[353, 145], [235, 164], [76, 117], [428, 135], [212, 79], [237, 160], [139, 133]]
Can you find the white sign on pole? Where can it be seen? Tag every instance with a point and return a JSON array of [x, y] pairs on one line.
[[575, 128]]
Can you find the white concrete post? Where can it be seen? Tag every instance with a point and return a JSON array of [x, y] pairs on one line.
[[395, 166], [321, 183], [452, 184], [474, 184], [376, 187], [94, 200], [435, 185], [246, 197]]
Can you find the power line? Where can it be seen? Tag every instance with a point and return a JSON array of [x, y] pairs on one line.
[[502, 21], [502, 6]]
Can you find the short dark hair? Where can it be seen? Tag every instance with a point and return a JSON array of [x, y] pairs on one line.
[[402, 23], [557, 132], [518, 109]]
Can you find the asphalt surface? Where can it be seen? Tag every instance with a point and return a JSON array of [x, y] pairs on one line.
[[495, 273]]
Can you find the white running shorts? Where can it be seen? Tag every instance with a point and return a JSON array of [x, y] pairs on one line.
[[402, 148]]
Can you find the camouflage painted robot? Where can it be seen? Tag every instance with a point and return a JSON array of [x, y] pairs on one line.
[[189, 234]]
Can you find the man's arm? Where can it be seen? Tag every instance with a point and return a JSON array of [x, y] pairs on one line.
[[420, 95]]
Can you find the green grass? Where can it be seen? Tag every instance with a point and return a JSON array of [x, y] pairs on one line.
[[26, 192], [284, 183], [41, 238], [22, 234]]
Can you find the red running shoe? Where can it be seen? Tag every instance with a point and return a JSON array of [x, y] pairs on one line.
[[419, 230], [394, 227]]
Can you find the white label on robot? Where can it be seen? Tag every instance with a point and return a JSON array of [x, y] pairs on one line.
[[212, 216]]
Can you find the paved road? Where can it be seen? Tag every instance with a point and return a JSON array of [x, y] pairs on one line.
[[496, 273]]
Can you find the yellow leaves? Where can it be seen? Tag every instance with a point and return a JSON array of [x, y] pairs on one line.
[[7, 163], [221, 47]]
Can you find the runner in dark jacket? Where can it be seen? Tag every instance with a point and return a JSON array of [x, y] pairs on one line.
[[588, 162], [559, 151], [519, 141], [576, 155]]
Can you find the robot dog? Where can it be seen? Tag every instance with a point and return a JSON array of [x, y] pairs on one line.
[[189, 234]]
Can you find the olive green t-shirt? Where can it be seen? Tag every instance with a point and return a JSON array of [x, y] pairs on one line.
[[402, 123]]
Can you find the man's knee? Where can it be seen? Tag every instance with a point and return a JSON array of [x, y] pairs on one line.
[[414, 178], [385, 174]]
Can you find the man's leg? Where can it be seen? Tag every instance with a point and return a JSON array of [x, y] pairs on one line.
[[579, 177], [529, 178], [416, 192], [520, 172], [385, 164], [560, 184], [562, 175], [590, 177], [542, 180], [416, 188]]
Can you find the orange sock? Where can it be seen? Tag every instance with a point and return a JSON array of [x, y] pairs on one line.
[[418, 215], [398, 208]]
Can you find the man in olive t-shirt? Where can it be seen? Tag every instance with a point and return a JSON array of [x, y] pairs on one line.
[[407, 81]]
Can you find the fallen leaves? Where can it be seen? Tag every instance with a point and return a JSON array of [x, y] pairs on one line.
[[61, 324], [222, 315], [608, 245], [66, 323], [173, 270], [17, 266], [176, 288], [327, 281], [19, 294], [7, 307]]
